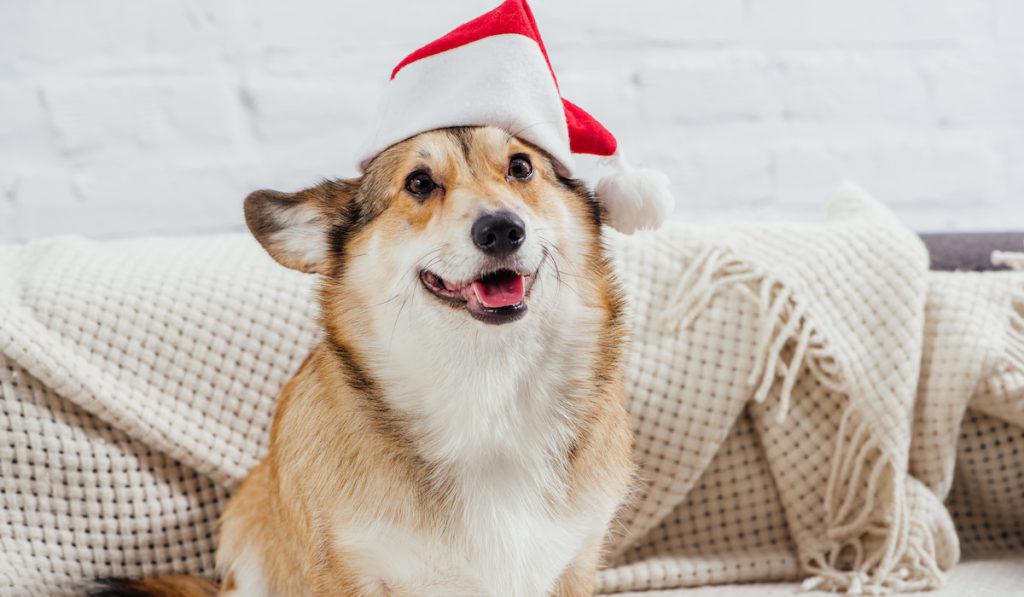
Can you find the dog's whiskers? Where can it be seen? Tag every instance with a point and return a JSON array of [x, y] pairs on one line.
[[551, 249], [385, 302], [398, 315]]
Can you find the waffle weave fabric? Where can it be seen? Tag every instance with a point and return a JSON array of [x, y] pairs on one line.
[[808, 401]]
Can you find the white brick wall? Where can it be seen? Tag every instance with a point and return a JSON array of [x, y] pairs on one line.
[[130, 117]]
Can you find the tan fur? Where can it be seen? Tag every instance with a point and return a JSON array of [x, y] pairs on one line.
[[337, 452], [171, 585]]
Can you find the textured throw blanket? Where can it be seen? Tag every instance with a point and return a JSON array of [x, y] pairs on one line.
[[809, 403]]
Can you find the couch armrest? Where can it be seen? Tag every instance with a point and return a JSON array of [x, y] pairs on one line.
[[970, 251]]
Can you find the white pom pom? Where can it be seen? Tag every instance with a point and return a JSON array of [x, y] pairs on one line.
[[634, 198]]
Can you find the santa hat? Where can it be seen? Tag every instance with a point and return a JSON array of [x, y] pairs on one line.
[[494, 70]]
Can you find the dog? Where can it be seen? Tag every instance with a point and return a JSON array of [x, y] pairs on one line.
[[460, 428]]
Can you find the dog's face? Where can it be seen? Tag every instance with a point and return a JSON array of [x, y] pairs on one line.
[[451, 228]]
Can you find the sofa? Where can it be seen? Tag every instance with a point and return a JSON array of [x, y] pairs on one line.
[[137, 380]]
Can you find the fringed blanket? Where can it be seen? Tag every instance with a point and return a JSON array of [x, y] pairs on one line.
[[809, 403]]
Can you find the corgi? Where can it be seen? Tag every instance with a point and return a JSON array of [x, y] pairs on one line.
[[460, 428]]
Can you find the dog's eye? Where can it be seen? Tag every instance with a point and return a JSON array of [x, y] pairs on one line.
[[420, 184], [519, 167]]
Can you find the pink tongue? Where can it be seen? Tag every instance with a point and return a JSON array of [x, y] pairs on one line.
[[503, 292]]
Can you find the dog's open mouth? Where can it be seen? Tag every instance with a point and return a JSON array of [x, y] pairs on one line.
[[497, 297]]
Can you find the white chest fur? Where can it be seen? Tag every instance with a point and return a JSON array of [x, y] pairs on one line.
[[515, 550], [499, 427]]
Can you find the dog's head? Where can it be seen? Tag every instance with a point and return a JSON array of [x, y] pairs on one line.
[[451, 228]]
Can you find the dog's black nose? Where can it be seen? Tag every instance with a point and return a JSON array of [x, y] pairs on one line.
[[499, 233]]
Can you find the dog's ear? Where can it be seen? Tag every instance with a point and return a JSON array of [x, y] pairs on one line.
[[294, 227]]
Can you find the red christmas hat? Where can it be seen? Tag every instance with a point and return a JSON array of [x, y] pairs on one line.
[[494, 70]]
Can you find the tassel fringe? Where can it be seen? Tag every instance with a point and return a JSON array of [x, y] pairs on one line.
[[1008, 382], [868, 552], [1005, 388], [1015, 336], [787, 344], [1012, 260]]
